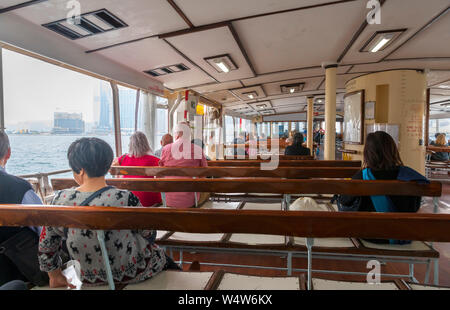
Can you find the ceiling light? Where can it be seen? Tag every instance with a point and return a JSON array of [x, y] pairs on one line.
[[251, 95], [292, 88], [381, 40], [222, 63], [223, 66]]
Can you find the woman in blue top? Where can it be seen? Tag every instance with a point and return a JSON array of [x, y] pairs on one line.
[[382, 162]]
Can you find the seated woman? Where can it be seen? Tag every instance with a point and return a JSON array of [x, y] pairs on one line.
[[382, 162], [132, 254], [140, 155], [297, 147], [440, 142]]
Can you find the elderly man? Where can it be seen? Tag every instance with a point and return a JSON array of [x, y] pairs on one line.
[[182, 153], [17, 263], [165, 140]]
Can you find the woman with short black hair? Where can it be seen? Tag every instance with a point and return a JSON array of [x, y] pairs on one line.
[[297, 147], [133, 256]]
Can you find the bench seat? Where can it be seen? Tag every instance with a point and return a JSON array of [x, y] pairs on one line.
[[321, 284], [231, 281], [174, 280]]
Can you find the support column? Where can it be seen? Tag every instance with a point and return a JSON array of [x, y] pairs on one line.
[[116, 109], [2, 103], [330, 112], [309, 124]]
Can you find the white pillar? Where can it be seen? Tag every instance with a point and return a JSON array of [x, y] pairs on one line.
[[309, 128], [149, 119], [116, 115], [330, 112]]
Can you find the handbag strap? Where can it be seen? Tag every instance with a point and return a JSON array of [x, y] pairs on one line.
[[88, 200]]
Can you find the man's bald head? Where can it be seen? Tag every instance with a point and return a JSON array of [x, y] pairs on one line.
[[166, 139]]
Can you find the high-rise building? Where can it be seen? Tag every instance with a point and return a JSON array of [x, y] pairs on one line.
[[127, 106], [68, 123]]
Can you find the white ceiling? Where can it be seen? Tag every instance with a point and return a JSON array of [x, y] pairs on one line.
[[283, 48]]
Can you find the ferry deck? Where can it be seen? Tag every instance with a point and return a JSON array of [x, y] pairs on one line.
[[236, 69]]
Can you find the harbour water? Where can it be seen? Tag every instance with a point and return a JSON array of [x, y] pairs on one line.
[[44, 153]]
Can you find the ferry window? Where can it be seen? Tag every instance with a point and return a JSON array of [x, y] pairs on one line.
[[162, 121], [127, 107], [229, 129], [47, 107], [439, 126]]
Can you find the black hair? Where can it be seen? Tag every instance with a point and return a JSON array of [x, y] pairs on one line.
[[298, 139], [93, 155]]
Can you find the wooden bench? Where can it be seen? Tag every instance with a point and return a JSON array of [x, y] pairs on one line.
[[267, 156], [264, 185], [428, 227], [286, 163], [237, 172]]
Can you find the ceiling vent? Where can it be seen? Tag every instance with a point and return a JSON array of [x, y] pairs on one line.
[[292, 88], [167, 70], [87, 25]]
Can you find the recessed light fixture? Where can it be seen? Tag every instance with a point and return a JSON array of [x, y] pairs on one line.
[[251, 95], [292, 88], [380, 40], [222, 63], [89, 24], [167, 70]]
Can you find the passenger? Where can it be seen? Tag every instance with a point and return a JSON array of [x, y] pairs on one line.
[[252, 150], [382, 162], [440, 142], [133, 256], [140, 155], [170, 159], [239, 149], [166, 139], [17, 263], [297, 147]]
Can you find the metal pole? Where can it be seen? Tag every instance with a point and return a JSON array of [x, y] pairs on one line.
[[136, 112], [2, 107], [101, 240], [309, 244], [116, 109]]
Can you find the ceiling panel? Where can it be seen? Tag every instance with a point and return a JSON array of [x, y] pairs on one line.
[[260, 93], [301, 38], [144, 17], [434, 77], [202, 12], [154, 53], [432, 42], [275, 88], [217, 86], [8, 3], [222, 97], [438, 64], [396, 14], [213, 42]]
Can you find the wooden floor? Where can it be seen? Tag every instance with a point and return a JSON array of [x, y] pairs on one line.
[[320, 264]]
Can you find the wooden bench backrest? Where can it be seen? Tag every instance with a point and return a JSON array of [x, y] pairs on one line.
[[280, 172], [404, 226], [281, 157], [286, 163], [271, 185]]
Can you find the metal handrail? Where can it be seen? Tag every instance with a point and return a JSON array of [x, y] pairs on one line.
[[42, 183]]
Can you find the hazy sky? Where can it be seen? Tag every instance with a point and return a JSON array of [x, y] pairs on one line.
[[34, 90]]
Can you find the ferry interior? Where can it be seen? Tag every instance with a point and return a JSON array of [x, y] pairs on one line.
[[258, 70]]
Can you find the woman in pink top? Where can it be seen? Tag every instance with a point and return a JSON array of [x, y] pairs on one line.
[[140, 156], [174, 155]]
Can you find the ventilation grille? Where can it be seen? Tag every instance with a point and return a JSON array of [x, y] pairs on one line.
[[167, 70], [88, 24]]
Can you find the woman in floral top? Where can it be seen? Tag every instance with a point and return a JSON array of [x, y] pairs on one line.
[[132, 254]]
